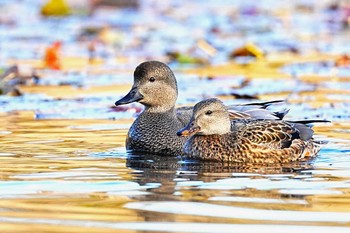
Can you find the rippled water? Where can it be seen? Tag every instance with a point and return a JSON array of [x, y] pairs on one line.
[[63, 162], [74, 175]]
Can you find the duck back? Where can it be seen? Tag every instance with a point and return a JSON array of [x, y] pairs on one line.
[[254, 141]]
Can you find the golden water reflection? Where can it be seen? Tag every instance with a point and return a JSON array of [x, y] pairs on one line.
[[74, 176]]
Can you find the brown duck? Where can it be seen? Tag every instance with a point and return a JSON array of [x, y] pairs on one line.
[[216, 137]]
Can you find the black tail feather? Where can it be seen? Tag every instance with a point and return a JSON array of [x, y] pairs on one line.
[[281, 114], [305, 122], [265, 104]]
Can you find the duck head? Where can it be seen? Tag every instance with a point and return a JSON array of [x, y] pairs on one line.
[[209, 117], [154, 86]]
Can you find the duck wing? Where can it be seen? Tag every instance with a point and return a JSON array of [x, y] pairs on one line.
[[256, 111], [241, 111], [262, 114], [271, 133], [253, 105]]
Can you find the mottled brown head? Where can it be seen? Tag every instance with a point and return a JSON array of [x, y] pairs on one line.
[[154, 86], [209, 117]]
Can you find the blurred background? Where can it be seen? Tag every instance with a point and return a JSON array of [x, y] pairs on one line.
[[191, 32], [95, 45]]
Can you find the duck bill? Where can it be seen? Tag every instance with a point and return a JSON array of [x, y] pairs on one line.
[[133, 96], [188, 130]]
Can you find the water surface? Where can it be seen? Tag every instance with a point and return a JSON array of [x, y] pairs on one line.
[[64, 167]]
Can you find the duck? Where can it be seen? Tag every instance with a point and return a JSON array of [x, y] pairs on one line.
[[154, 130], [213, 136]]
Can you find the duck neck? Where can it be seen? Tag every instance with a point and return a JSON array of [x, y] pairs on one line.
[[160, 109]]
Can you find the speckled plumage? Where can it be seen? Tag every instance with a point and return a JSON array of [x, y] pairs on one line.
[[155, 128], [245, 140], [156, 133]]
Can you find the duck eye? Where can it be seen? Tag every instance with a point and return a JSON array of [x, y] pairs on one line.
[[208, 112], [152, 79]]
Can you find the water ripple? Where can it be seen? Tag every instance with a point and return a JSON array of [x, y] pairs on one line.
[[221, 211]]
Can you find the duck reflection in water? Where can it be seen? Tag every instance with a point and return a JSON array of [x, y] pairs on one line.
[[159, 169]]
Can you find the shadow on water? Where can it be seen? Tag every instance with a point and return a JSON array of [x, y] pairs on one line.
[[168, 171], [158, 163]]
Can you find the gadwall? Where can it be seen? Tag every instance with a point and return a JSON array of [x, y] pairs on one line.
[[215, 137], [154, 130]]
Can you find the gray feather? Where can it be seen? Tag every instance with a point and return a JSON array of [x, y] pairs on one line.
[[305, 132]]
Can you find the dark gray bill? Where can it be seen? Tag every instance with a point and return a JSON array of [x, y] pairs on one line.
[[133, 96]]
